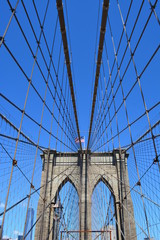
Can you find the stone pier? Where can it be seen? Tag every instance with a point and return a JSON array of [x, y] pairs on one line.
[[84, 170]]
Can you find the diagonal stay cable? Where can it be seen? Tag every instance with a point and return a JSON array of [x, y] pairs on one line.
[[33, 120], [20, 169], [14, 127]]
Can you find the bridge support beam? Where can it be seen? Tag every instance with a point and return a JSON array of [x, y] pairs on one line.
[[85, 201], [125, 206]]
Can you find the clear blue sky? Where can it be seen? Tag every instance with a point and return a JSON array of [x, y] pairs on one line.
[[83, 16]]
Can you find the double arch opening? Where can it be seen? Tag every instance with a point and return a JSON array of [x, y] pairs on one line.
[[103, 212]]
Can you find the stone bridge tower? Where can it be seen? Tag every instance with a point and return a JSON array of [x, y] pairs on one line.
[[85, 170]]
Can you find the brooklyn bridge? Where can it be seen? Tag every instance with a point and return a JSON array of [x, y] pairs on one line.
[[80, 120]]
